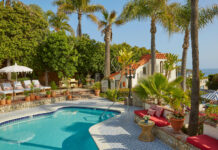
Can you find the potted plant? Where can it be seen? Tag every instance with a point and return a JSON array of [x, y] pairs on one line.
[[96, 87], [146, 118], [37, 91], [32, 95], [53, 88], [3, 101], [67, 84], [8, 99], [48, 93], [27, 95]]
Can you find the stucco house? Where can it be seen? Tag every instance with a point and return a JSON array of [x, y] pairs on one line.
[[142, 69]]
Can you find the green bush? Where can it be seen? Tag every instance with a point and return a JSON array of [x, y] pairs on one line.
[[97, 86], [53, 85], [213, 82], [114, 95]]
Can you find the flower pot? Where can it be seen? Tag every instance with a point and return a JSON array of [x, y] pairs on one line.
[[97, 92], [69, 97], [53, 94], [80, 85], [32, 97], [146, 121], [176, 124], [37, 97], [8, 101], [67, 92], [49, 95], [3, 102], [27, 98]]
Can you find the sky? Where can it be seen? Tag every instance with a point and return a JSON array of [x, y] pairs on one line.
[[137, 33]]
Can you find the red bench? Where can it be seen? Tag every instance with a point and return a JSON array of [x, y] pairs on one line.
[[159, 121], [203, 142]]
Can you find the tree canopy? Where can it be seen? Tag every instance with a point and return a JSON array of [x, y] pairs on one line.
[[21, 31]]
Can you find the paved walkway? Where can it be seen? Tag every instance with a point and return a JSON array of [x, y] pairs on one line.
[[118, 133]]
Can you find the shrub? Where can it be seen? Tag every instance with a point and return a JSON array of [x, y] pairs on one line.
[[114, 95], [53, 85], [97, 86], [213, 82]]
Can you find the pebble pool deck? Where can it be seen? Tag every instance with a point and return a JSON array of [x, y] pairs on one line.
[[117, 133]]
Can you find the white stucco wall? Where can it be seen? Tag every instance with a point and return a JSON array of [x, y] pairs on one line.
[[139, 73]]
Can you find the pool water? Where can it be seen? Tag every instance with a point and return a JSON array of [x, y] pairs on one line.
[[65, 129]]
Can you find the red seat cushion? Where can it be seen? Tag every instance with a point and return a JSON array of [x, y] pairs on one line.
[[159, 121], [203, 142], [141, 113]]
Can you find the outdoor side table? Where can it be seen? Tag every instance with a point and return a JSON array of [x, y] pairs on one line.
[[146, 134]]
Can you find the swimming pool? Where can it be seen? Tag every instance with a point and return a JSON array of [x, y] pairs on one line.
[[65, 129]]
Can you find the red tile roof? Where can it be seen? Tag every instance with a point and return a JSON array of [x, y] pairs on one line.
[[144, 59]]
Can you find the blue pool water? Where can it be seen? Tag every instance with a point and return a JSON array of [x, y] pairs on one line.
[[65, 129]]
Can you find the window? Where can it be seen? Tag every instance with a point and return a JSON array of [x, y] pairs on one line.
[[161, 67], [144, 70]]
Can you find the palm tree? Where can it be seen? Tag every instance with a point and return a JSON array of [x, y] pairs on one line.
[[80, 7], [195, 94], [183, 21], [59, 21], [106, 26], [158, 11]]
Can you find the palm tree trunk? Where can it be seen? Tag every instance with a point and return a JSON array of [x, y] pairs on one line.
[[46, 78], [195, 95], [107, 52], [153, 49], [8, 2], [79, 27], [184, 58]]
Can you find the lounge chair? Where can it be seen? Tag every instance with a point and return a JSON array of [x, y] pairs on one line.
[[8, 88], [18, 86], [27, 85], [38, 85], [5, 92]]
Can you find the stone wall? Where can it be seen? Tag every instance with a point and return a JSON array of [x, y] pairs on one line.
[[136, 100], [24, 104], [177, 142]]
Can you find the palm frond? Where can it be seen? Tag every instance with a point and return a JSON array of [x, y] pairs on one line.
[[93, 18], [206, 15], [112, 17], [94, 8]]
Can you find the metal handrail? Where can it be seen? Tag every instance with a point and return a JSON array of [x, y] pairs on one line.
[[106, 110]]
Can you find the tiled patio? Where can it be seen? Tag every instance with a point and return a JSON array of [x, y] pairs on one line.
[[116, 133]]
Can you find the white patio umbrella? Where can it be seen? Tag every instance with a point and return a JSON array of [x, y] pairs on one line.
[[15, 69], [211, 96]]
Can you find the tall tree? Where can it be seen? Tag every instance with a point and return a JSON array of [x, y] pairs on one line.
[[158, 11], [59, 21], [183, 21], [80, 7], [106, 26], [195, 93]]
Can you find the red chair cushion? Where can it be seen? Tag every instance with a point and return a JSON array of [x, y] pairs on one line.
[[152, 106], [203, 142], [141, 113], [159, 121]]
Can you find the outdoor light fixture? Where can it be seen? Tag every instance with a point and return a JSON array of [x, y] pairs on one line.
[[130, 74]]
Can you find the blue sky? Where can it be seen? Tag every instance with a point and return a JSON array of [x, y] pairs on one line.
[[138, 33]]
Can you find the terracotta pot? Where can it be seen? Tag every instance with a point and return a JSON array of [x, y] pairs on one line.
[[69, 97], [53, 94], [32, 97], [176, 124], [97, 92], [8, 101], [27, 98], [67, 92], [48, 96], [37, 97], [80, 85], [3, 102]]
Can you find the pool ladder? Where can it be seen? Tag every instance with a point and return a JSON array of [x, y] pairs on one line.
[[100, 117]]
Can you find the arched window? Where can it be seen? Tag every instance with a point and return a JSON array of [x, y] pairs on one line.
[[161, 66]]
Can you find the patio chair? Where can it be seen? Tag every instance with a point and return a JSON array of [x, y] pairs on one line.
[[18, 86], [7, 87], [5, 92], [38, 85]]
